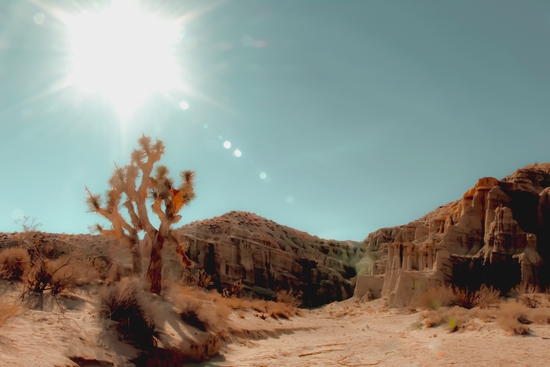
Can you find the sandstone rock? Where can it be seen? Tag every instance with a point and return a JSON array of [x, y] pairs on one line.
[[498, 233], [268, 257]]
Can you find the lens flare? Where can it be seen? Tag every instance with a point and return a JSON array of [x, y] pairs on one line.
[[123, 53]]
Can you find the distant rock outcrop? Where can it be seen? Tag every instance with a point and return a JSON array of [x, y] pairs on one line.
[[268, 257], [497, 234]]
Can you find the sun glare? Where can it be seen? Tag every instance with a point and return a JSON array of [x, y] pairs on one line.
[[123, 54]]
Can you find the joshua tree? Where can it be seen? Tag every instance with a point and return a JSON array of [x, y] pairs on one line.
[[124, 192]]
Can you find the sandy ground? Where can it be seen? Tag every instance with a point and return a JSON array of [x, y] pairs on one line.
[[341, 334], [355, 334]]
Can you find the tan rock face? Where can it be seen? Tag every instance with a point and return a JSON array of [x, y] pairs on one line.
[[498, 233], [268, 257]]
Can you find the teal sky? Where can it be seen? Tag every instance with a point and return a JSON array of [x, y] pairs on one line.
[[361, 114]]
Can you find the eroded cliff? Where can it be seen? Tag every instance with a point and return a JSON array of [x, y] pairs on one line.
[[268, 257], [497, 234]]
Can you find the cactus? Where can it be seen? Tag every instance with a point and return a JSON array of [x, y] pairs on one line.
[[125, 192]]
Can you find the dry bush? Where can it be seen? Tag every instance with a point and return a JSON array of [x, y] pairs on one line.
[[209, 310], [189, 309], [7, 310], [101, 267], [127, 303], [434, 298], [202, 314], [14, 263], [512, 317], [527, 295], [235, 289], [485, 297], [433, 318], [540, 316], [57, 275], [290, 298], [196, 278], [463, 297], [484, 314], [455, 318]]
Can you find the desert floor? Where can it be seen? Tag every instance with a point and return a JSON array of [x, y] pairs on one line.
[[348, 333]]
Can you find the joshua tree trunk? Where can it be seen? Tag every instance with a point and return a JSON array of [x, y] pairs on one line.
[[136, 259], [154, 272]]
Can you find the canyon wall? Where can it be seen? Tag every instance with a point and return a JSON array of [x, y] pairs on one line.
[[497, 234]]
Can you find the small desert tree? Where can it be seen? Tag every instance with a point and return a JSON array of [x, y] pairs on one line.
[[126, 192]]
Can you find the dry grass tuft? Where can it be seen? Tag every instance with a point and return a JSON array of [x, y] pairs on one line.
[[290, 298], [434, 298], [196, 278], [213, 309], [455, 318], [202, 314], [55, 276], [528, 295], [127, 303], [512, 317], [540, 316], [14, 263], [437, 297], [485, 297]]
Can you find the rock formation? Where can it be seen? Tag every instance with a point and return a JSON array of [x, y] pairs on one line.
[[268, 257], [497, 234]]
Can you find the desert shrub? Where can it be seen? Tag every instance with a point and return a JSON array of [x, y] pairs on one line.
[[484, 314], [7, 310], [14, 263], [540, 316], [131, 308], [235, 289], [485, 297], [433, 318], [527, 295], [434, 298], [202, 314], [99, 265], [463, 297], [209, 310], [57, 275], [196, 278], [512, 317], [280, 310], [290, 298], [455, 318]]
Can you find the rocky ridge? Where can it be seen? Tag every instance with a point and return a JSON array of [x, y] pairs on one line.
[[267, 257]]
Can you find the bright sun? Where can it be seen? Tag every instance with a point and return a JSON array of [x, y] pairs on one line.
[[124, 54]]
